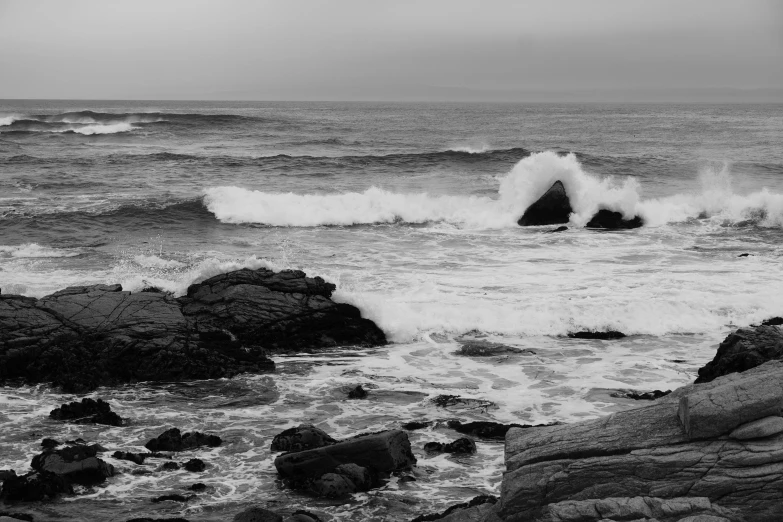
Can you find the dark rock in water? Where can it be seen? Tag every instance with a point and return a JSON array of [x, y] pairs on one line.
[[461, 446], [301, 438], [344, 480], [4, 515], [173, 440], [774, 321], [742, 350], [597, 335], [258, 514], [174, 497], [415, 425], [49, 443], [489, 349], [486, 429], [386, 451], [153, 289], [157, 520], [170, 466], [744, 255], [357, 393], [198, 486], [34, 486], [195, 465], [89, 411], [136, 458], [301, 515], [552, 208], [446, 401], [613, 220], [277, 310], [558, 229], [474, 510], [646, 396], [6, 474], [77, 464]]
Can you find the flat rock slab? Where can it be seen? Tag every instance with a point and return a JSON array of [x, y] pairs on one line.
[[759, 429], [385, 451]]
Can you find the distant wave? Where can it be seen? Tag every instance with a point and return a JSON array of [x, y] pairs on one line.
[[34, 250]]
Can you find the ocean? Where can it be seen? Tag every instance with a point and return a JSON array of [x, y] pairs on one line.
[[411, 210]]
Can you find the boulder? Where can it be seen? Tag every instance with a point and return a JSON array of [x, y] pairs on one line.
[[198, 486], [169, 466], [49, 443], [136, 458], [77, 464], [464, 446], [195, 465], [667, 461], [300, 438], [277, 310], [386, 451], [173, 440], [357, 393], [553, 208], [609, 219], [88, 411], [6, 474], [258, 514], [34, 486], [742, 350]]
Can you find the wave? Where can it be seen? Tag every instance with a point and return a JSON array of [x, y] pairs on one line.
[[34, 250], [529, 178], [88, 129]]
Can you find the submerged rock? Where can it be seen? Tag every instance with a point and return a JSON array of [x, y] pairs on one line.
[[742, 350], [489, 349], [198, 486], [169, 466], [300, 438], [463, 446], [357, 393], [553, 208], [173, 497], [488, 429], [589, 334], [173, 440], [645, 396], [558, 229], [609, 219], [88, 411]]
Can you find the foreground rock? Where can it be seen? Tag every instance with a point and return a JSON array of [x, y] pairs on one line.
[[463, 446], [744, 349], [706, 449], [77, 464], [476, 509], [303, 437], [83, 337], [89, 411], [34, 486], [553, 208], [174, 440], [611, 220]]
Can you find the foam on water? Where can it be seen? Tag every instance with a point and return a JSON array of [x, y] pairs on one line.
[[34, 250]]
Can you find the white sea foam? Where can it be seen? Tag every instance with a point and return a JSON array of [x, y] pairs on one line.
[[471, 149], [99, 128], [526, 182], [34, 250], [7, 120]]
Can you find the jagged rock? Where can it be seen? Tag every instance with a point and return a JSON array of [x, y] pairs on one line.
[[758, 429], [611, 220], [463, 446], [169, 466], [357, 393], [173, 440], [89, 411], [49, 443], [277, 310], [7, 474], [145, 519], [173, 497], [136, 458], [386, 451], [772, 321], [489, 349], [637, 396], [742, 350], [447, 401], [198, 486], [611, 334], [301, 515], [257, 514], [474, 510], [195, 465], [416, 425], [643, 463], [33, 486], [344, 480], [300, 438], [553, 208], [487, 429], [78, 464]]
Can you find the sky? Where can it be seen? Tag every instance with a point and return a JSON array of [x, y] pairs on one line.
[[428, 50]]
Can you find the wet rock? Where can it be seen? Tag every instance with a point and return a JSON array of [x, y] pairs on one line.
[[447, 401], [277, 310], [773, 321], [744, 255], [487, 429], [195, 465], [300, 438], [301, 515], [34, 486], [344, 480], [173, 440], [558, 229], [489, 349], [472, 511], [257, 514], [742, 350], [552, 208], [170, 466], [645, 396], [463, 446], [49, 443], [5, 516], [669, 460], [386, 451], [173, 497], [136, 458], [613, 220], [88, 411], [198, 486], [7, 474], [612, 334], [416, 425], [78, 464], [357, 393]]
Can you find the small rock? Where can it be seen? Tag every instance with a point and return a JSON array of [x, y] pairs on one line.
[[612, 334], [463, 446], [258, 514], [88, 411], [357, 393], [195, 465], [136, 458], [303, 437], [758, 429], [646, 396], [446, 401], [489, 349], [608, 219], [145, 519], [199, 486], [173, 440], [49, 443], [174, 497], [345, 480], [416, 425], [558, 229], [170, 466]]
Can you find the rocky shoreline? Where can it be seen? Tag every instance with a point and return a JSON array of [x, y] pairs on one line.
[[707, 452]]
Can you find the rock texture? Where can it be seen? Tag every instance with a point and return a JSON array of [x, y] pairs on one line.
[[300, 438], [553, 208], [84, 337], [609, 219], [463, 446], [88, 411], [744, 349], [77, 464], [489, 349], [174, 440], [668, 461]]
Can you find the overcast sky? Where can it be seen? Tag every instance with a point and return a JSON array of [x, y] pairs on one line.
[[390, 49]]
